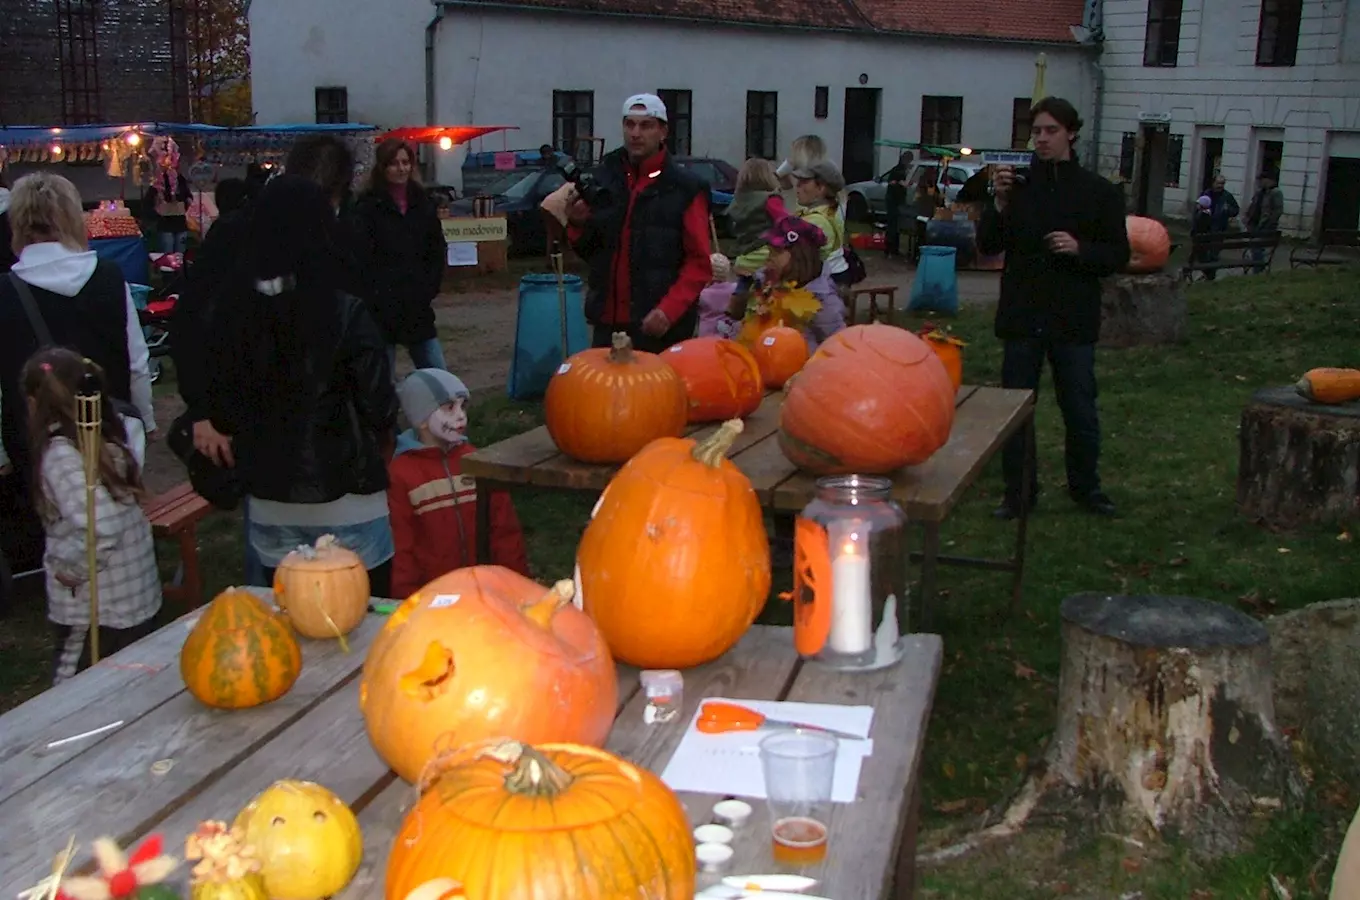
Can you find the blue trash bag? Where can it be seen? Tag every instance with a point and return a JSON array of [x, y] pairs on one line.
[[936, 286], [538, 333]]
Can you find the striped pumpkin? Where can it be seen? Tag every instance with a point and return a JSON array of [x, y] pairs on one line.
[[241, 653]]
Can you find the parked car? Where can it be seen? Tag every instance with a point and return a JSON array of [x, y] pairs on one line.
[[517, 195], [866, 201]]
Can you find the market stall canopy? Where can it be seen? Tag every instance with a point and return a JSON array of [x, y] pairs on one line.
[[431, 134], [28, 135]]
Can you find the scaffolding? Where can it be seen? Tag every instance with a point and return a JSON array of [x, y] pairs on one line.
[[193, 59], [78, 61]]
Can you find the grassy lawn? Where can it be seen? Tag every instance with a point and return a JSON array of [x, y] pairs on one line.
[[1170, 459]]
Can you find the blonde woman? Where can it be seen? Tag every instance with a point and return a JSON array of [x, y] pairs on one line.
[[819, 188], [59, 293], [756, 206]]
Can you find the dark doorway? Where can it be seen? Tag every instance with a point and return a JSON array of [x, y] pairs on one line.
[[1211, 152], [1150, 188], [861, 130], [1341, 194]]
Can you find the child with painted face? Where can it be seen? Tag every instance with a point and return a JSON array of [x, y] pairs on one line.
[[431, 504]]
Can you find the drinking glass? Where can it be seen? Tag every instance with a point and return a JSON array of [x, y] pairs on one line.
[[799, 769]]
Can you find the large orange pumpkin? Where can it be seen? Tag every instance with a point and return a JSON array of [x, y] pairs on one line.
[[949, 349], [323, 588], [721, 378], [603, 406], [872, 399], [675, 564], [240, 653], [780, 352], [512, 822], [1149, 244], [485, 652]]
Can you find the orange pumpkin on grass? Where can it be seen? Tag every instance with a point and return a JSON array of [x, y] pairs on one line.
[[485, 652], [780, 352], [240, 653], [872, 399], [552, 820], [675, 564], [722, 380], [603, 406], [1149, 245]]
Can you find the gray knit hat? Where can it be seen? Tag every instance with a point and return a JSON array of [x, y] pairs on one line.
[[425, 390]]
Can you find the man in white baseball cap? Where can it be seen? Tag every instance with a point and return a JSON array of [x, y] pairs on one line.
[[646, 238]]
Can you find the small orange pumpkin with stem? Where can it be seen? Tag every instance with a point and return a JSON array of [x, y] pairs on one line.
[[780, 353], [722, 379], [602, 406], [552, 820], [649, 559], [323, 588]]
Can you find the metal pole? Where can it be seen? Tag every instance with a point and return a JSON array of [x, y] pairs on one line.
[[561, 294]]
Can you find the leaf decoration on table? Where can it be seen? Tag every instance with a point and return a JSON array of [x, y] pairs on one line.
[[771, 305], [122, 875]]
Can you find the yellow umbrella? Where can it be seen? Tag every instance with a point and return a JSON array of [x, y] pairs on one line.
[[1039, 92]]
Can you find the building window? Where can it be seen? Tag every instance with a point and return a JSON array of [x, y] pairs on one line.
[[821, 102], [762, 121], [941, 120], [332, 105], [1022, 117], [78, 60], [1277, 40], [679, 113], [1175, 149], [1128, 149], [573, 119], [1162, 42], [1271, 156]]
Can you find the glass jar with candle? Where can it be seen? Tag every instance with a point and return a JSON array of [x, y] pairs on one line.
[[850, 574]]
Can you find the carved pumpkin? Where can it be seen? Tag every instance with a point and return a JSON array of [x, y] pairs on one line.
[[949, 349], [555, 820], [438, 889], [721, 378], [323, 589], [485, 652], [780, 352], [872, 399], [1149, 245], [1330, 385], [306, 838], [240, 653], [603, 406], [675, 564]]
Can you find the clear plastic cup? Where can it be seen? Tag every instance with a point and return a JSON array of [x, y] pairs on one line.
[[799, 768]]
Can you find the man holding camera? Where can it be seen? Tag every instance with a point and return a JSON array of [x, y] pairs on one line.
[[642, 228], [1062, 229]]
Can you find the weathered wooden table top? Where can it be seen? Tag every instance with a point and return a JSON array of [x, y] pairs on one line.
[[984, 417], [174, 762]]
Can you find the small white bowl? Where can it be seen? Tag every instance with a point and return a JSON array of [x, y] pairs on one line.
[[713, 834], [712, 857], [733, 812]]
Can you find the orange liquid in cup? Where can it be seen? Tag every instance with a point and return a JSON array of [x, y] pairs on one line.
[[799, 841]]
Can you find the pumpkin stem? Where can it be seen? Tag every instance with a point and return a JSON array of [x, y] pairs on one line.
[[712, 450], [623, 348], [541, 611], [532, 773]]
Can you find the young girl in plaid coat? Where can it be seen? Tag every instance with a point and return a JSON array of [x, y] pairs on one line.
[[125, 558]]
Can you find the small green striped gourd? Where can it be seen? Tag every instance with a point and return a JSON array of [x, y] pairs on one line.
[[240, 653]]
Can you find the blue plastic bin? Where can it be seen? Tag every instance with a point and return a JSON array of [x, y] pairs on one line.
[[936, 286], [538, 333]]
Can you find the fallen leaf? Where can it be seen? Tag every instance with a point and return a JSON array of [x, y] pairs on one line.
[[1130, 864], [950, 807], [1023, 671], [1178, 561], [948, 770], [1201, 894], [1281, 549], [1021, 760], [1344, 536], [1062, 887], [1155, 780]]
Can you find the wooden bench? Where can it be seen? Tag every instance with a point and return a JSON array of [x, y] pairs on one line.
[[1239, 250], [175, 516], [172, 762], [888, 292], [1316, 254]]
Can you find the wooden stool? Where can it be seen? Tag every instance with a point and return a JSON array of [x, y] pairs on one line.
[[175, 515], [873, 293]]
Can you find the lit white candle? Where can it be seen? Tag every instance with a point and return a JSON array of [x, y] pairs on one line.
[[851, 609]]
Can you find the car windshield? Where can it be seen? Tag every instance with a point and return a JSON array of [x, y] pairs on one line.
[[705, 170], [512, 184]]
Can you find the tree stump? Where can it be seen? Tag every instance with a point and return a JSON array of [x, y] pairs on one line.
[[1142, 310], [1165, 716], [1298, 461]]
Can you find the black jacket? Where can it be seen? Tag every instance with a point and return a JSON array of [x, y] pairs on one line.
[[1048, 295], [305, 390], [407, 254], [656, 249]]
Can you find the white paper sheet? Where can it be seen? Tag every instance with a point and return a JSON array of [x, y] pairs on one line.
[[729, 764], [463, 253]]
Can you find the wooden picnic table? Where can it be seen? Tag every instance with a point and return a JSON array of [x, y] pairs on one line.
[[984, 418], [174, 762]]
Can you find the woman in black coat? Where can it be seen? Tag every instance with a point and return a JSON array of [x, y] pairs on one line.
[[406, 255]]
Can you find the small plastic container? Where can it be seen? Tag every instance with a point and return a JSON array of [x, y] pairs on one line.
[[665, 689], [732, 813], [712, 857], [713, 834]]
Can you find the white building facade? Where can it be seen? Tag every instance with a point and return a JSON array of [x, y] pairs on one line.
[[1194, 86], [735, 89]]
